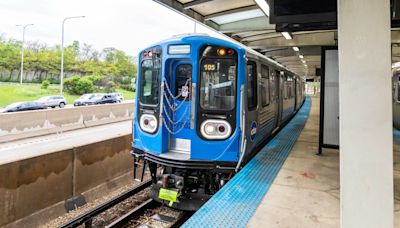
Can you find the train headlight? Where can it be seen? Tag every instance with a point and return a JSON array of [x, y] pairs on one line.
[[215, 129], [209, 129], [148, 123]]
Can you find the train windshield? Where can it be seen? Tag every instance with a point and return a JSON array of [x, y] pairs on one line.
[[150, 81], [217, 79]]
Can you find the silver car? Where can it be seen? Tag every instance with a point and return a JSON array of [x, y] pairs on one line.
[[53, 101]]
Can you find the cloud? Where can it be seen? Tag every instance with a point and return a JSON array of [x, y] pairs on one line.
[[129, 25]]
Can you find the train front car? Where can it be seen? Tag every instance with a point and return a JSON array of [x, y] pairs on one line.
[[187, 122]]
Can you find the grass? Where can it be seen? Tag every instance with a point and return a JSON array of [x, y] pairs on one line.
[[10, 93]]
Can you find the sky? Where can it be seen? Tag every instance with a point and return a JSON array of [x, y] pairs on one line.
[[128, 25]]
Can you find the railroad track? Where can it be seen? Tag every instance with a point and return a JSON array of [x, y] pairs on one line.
[[151, 214], [148, 214], [87, 217]]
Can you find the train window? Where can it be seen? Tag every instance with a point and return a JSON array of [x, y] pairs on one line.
[[251, 85], [285, 87], [273, 84], [217, 83], [149, 81], [264, 86], [183, 78]]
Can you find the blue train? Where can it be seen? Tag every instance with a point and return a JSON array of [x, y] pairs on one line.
[[204, 107]]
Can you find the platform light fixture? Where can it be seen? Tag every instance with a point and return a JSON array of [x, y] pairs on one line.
[[287, 35], [301, 56], [296, 49], [264, 6]]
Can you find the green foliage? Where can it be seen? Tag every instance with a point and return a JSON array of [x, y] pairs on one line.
[[77, 85], [84, 85], [45, 84], [127, 87], [96, 79], [70, 84], [110, 87], [79, 59]]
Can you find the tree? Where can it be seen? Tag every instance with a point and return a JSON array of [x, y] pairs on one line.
[[79, 59], [9, 55]]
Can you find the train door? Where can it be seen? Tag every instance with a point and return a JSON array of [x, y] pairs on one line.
[[252, 104], [280, 82], [274, 84], [296, 90], [179, 108]]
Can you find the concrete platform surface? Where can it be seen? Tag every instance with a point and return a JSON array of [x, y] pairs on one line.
[[306, 191], [37, 146]]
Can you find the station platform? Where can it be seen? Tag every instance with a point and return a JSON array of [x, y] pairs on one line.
[[286, 184]]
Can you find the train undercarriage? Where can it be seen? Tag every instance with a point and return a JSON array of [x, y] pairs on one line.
[[185, 185]]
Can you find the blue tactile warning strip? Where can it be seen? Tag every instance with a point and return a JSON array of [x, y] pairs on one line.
[[236, 202], [396, 136]]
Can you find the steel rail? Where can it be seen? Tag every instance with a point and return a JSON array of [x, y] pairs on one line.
[[87, 217], [134, 213]]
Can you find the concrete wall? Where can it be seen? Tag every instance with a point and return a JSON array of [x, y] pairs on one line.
[[30, 185], [34, 75], [19, 125]]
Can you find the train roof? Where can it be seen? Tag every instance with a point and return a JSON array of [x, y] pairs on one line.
[[184, 37]]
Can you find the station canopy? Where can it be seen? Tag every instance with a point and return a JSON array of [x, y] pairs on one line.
[[295, 45]]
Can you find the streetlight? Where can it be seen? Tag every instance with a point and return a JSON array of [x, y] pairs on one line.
[[62, 52], [22, 51]]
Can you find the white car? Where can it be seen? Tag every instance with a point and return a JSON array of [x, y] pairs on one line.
[[53, 101]]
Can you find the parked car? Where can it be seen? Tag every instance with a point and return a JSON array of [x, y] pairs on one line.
[[23, 106], [118, 96], [84, 99], [53, 101]]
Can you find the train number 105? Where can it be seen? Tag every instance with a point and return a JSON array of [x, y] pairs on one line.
[[209, 67]]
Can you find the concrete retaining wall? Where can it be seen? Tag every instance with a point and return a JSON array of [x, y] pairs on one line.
[[19, 125], [30, 185]]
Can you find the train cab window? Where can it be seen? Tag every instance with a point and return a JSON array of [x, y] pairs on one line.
[[264, 86], [251, 85], [217, 84], [149, 81], [183, 78]]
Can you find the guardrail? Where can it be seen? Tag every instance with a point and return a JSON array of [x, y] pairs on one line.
[[20, 125]]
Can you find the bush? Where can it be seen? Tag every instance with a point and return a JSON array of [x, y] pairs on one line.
[[128, 87], [96, 79], [110, 87], [83, 86], [70, 84], [54, 81], [45, 84], [77, 85]]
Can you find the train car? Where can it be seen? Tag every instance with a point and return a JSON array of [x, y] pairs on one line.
[[204, 107], [396, 97]]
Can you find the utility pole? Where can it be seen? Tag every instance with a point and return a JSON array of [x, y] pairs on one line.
[[22, 51], [62, 52]]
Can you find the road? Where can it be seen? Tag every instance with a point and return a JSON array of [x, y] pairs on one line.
[[36, 146], [72, 106]]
